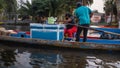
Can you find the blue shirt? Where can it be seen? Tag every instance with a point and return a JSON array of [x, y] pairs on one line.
[[83, 14]]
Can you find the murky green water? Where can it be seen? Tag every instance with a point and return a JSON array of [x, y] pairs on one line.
[[19, 57]]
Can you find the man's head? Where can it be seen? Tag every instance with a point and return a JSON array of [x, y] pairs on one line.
[[78, 4], [67, 15]]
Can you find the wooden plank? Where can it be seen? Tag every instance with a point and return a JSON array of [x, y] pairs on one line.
[[59, 44]]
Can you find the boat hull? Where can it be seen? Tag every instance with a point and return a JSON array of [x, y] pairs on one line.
[[59, 44]]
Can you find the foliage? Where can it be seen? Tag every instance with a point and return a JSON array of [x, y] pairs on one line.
[[110, 9], [39, 7], [50, 7], [26, 9], [8, 7], [87, 2], [110, 6]]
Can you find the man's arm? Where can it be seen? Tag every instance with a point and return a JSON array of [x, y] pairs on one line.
[[90, 12], [65, 21]]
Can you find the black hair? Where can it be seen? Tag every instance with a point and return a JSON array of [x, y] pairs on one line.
[[68, 15], [78, 4]]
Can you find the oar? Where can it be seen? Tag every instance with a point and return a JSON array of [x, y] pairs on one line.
[[101, 30], [107, 32]]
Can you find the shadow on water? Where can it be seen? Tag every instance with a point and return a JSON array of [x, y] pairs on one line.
[[19, 57]]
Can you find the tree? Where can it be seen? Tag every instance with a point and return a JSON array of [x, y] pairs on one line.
[[1, 6], [49, 7], [110, 9], [26, 8], [86, 2], [118, 10], [8, 6]]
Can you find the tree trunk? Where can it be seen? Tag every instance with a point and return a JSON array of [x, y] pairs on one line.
[[111, 19], [84, 2], [118, 10]]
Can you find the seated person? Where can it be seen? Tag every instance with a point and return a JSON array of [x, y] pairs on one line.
[[70, 26]]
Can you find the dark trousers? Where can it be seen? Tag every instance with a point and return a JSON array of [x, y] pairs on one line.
[[79, 30]]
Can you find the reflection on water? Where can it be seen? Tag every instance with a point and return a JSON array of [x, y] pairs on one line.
[[7, 58], [38, 58]]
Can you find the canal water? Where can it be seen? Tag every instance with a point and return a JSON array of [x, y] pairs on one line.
[[22, 57]]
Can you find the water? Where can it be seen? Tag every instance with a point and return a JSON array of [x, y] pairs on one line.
[[19, 57]]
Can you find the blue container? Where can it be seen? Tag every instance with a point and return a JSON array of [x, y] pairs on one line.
[[47, 31], [14, 35], [20, 35]]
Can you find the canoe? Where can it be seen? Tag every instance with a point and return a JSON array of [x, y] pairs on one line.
[[44, 35], [29, 42], [56, 32]]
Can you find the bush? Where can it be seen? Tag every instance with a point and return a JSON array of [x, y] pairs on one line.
[[1, 23]]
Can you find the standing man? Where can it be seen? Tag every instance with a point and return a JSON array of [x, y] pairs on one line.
[[83, 14]]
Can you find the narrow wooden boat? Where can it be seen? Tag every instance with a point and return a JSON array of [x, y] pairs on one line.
[[44, 35], [56, 32]]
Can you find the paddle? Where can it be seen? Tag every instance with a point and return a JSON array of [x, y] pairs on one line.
[[102, 31], [107, 32]]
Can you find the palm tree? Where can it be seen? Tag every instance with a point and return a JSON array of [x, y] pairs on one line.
[[118, 10], [49, 7], [1, 9], [1, 5], [56, 7], [110, 9], [10, 7], [7, 7], [26, 8]]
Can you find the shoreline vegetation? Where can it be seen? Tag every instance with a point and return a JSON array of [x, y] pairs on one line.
[[21, 24]]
